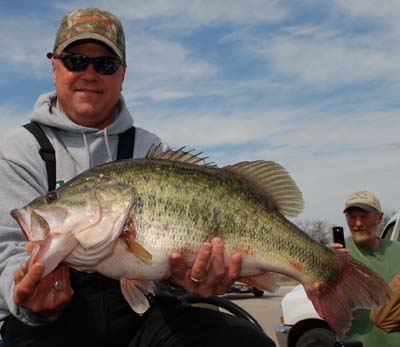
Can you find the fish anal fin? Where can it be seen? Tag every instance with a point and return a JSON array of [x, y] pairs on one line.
[[135, 292], [356, 286], [272, 182], [264, 280]]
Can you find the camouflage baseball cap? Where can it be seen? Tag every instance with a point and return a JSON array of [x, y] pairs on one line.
[[91, 24]]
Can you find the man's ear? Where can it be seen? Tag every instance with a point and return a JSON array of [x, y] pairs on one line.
[[380, 217], [53, 68], [123, 73]]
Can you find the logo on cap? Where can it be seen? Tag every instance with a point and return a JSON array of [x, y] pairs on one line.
[[92, 19]]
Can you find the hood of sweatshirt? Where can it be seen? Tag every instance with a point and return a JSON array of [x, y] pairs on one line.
[[68, 138], [46, 112]]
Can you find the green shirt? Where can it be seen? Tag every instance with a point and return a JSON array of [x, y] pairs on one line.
[[386, 262]]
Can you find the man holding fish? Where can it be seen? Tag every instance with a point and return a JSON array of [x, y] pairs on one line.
[[83, 119]]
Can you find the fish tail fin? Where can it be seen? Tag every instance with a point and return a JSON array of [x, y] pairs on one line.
[[356, 286]]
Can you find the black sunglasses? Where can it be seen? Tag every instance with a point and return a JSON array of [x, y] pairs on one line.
[[80, 62]]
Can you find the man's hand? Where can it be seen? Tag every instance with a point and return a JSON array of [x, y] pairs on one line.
[[208, 275], [46, 296], [339, 247]]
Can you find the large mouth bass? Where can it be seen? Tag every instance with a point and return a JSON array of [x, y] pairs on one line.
[[123, 219]]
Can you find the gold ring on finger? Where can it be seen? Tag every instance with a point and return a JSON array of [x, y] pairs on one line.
[[195, 280]]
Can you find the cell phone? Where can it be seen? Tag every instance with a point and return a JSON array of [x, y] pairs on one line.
[[338, 235]]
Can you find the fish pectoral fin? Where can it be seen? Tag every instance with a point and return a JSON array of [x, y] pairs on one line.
[[273, 182], [135, 292], [264, 280], [136, 248]]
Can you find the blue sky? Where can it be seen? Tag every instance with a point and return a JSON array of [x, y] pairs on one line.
[[313, 85]]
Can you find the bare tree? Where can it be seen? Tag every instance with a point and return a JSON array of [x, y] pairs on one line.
[[318, 229]]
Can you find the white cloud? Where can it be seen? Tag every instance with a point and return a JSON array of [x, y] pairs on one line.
[[209, 128], [12, 117], [25, 40], [161, 69], [175, 14], [323, 58], [387, 11]]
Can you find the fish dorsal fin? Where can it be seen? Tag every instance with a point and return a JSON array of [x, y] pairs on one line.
[[181, 155], [273, 182]]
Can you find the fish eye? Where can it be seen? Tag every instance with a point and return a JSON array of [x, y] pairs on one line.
[[51, 197]]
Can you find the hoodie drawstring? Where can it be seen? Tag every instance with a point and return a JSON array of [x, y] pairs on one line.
[[107, 145], [87, 149]]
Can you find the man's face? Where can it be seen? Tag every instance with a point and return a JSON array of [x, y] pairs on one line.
[[363, 225], [87, 97]]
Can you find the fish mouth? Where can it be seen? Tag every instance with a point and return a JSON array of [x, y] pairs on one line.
[[18, 215], [34, 226]]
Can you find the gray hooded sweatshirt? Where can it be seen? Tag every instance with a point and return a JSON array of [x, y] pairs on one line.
[[23, 177]]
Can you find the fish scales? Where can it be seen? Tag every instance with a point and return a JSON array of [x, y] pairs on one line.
[[198, 203]]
